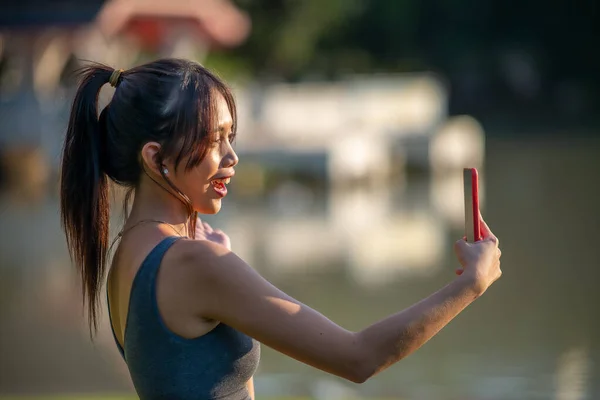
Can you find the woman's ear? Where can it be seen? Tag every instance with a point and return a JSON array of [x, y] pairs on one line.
[[152, 158]]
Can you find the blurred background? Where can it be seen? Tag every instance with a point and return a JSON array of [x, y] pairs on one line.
[[356, 119]]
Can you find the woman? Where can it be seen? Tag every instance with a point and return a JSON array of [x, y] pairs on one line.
[[187, 314]]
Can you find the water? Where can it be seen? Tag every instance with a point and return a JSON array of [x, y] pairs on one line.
[[534, 335]]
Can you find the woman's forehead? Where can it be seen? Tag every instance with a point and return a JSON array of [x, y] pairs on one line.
[[223, 114]]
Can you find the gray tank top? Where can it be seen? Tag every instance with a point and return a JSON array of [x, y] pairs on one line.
[[164, 365]]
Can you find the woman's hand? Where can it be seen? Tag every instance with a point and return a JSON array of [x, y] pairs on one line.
[[480, 260], [205, 232]]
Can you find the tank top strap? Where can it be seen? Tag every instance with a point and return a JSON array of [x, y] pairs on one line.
[[144, 283], [143, 307]]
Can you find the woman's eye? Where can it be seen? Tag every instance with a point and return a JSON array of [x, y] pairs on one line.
[[221, 138]]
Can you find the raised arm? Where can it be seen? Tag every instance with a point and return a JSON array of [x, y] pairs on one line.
[[226, 289]]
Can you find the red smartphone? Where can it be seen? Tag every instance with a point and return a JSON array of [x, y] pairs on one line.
[[471, 187]]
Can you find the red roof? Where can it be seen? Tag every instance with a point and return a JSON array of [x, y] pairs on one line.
[[217, 22]]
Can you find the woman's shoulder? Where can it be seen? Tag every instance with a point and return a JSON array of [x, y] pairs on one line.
[[204, 273], [188, 250], [201, 258]]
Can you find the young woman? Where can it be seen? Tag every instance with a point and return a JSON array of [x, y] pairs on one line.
[[186, 312]]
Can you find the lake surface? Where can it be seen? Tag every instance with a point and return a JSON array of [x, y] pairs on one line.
[[534, 335]]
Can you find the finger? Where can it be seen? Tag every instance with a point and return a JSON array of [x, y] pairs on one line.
[[460, 247], [486, 232], [461, 243], [492, 239], [207, 227], [485, 229]]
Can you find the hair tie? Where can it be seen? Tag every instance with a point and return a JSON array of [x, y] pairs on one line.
[[114, 77]]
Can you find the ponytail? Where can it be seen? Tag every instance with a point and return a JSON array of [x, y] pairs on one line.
[[169, 101], [84, 198]]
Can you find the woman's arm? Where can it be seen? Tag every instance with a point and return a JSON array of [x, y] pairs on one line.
[[223, 287], [395, 337]]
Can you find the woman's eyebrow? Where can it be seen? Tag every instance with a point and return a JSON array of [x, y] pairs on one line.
[[224, 127]]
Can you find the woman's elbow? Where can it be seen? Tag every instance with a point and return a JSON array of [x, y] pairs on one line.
[[359, 378], [362, 366], [359, 373]]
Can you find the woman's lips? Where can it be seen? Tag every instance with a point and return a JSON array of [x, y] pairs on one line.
[[219, 187]]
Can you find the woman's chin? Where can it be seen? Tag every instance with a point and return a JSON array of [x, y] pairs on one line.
[[211, 207]]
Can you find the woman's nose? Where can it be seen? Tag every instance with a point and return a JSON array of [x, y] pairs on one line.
[[231, 159]]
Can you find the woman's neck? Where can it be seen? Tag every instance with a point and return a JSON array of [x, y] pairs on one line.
[[153, 202]]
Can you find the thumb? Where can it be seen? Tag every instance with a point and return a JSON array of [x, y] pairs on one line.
[[461, 244], [486, 232]]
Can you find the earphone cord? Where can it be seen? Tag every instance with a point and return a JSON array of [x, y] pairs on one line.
[[123, 231]]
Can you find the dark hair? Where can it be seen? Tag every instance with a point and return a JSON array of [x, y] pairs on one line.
[[170, 101]]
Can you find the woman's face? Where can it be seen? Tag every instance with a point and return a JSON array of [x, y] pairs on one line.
[[205, 184]]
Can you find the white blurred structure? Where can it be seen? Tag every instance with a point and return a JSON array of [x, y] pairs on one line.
[[459, 143], [362, 125], [359, 154], [369, 130], [406, 244], [573, 372]]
